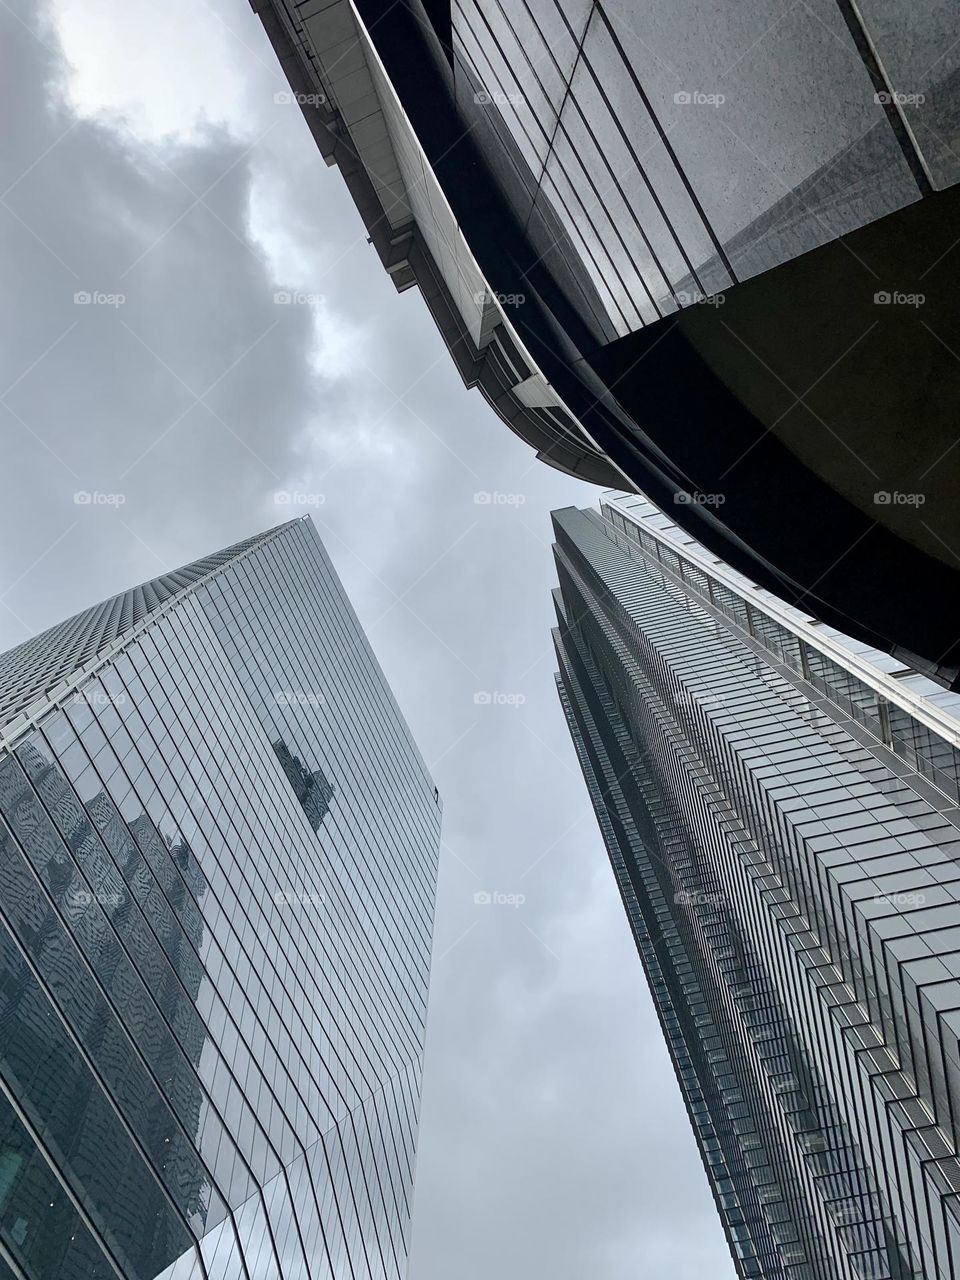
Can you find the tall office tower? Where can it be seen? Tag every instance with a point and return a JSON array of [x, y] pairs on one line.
[[702, 246], [781, 807], [218, 856]]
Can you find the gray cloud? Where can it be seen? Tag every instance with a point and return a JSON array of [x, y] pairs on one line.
[[553, 1141]]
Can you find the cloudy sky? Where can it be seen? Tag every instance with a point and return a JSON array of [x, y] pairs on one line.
[[150, 168]]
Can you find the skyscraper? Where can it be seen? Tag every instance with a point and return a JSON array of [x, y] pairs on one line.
[[781, 808], [686, 246], [218, 857]]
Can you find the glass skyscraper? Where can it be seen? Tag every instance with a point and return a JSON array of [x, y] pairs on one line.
[[686, 246], [218, 857], [781, 808]]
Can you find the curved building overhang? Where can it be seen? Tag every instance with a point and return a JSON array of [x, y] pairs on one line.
[[796, 428], [359, 125]]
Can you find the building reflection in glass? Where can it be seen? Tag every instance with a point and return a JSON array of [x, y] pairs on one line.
[[211, 1011], [312, 789]]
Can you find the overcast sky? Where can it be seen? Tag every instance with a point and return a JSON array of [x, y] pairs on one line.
[[144, 158]]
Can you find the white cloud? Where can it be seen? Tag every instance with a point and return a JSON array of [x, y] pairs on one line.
[[160, 70]]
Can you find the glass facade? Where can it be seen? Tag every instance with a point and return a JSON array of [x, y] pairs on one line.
[[685, 147], [686, 246], [218, 857], [780, 808]]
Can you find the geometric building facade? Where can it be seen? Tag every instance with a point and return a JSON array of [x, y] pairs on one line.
[[701, 246], [218, 859], [781, 809]]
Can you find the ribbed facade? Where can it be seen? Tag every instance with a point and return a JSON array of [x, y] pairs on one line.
[[765, 789], [31, 669], [218, 856]]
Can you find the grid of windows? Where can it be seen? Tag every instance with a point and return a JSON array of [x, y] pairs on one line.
[[30, 670], [922, 747], [655, 155], [213, 977], [610, 178], [677, 163], [793, 887]]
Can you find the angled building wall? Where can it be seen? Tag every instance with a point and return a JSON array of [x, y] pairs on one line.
[[214, 954], [781, 807]]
